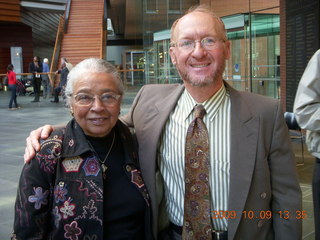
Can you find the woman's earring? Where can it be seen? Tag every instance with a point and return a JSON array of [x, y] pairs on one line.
[[71, 111]]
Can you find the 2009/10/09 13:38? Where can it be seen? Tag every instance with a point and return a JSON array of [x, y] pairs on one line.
[[267, 214]]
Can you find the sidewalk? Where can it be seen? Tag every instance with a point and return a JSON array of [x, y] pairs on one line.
[[15, 127]]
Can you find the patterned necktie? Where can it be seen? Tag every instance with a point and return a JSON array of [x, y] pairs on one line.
[[197, 213]]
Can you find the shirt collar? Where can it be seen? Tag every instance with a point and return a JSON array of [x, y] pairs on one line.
[[211, 105]]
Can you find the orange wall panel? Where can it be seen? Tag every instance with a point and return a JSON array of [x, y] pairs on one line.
[[15, 35], [10, 10], [229, 7]]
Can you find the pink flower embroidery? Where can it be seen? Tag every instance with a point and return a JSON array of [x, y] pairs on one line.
[[71, 142], [72, 231], [67, 209]]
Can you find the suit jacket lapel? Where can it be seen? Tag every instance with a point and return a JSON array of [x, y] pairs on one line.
[[158, 114], [244, 138], [166, 105], [155, 117]]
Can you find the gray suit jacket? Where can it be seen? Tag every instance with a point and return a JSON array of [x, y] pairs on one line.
[[262, 169]]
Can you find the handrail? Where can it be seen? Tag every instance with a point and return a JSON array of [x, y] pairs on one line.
[[131, 70], [104, 28], [105, 15], [103, 41], [67, 14], [26, 74], [56, 50]]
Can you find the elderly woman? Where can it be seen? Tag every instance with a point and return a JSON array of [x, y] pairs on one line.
[[84, 183]]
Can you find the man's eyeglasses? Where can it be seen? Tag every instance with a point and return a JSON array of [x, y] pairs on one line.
[[207, 43], [108, 99]]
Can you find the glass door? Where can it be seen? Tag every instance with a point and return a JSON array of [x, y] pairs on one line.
[[265, 54], [165, 72], [255, 48], [134, 66]]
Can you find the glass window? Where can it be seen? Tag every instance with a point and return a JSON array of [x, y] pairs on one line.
[[151, 6], [254, 62], [174, 6]]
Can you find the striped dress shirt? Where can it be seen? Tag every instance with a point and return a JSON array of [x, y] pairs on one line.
[[171, 154]]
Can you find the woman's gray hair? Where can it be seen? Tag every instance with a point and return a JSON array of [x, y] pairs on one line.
[[96, 65]]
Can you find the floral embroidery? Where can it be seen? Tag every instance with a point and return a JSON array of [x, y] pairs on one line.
[[91, 167], [39, 197], [72, 231], [48, 161], [60, 192], [67, 209], [71, 142]]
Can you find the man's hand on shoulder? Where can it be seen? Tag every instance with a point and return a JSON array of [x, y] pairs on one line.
[[33, 141]]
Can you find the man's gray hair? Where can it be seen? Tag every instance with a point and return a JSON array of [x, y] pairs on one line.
[[91, 65]]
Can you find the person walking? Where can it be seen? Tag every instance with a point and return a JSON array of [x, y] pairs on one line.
[[12, 85], [46, 84], [64, 71]]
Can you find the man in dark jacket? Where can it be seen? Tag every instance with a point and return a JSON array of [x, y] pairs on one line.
[[35, 68], [64, 71]]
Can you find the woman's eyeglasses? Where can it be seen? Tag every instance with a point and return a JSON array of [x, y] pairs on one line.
[[108, 99]]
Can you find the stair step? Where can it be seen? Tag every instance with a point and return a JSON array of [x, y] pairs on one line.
[[83, 36]]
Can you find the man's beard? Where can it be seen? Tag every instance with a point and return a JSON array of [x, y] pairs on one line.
[[205, 80]]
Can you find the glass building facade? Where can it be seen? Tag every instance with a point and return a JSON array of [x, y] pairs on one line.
[[255, 53], [254, 64]]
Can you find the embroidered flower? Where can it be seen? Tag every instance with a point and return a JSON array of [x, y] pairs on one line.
[[39, 197], [67, 209], [71, 142], [48, 160], [72, 231], [60, 192]]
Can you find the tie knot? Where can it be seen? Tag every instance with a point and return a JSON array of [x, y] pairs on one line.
[[199, 111]]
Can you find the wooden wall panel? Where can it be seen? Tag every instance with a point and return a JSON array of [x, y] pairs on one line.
[[10, 10], [4, 59], [15, 35], [230, 7]]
